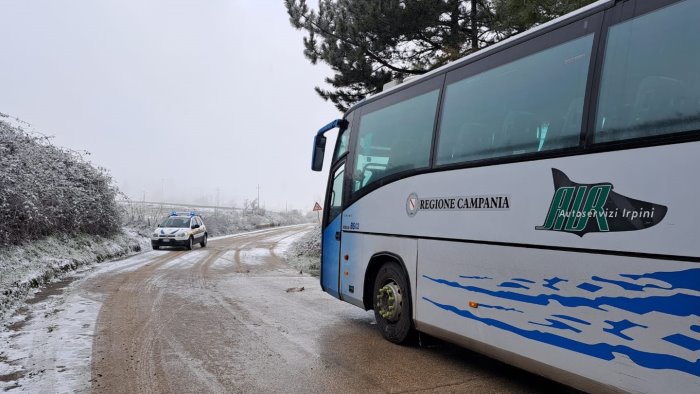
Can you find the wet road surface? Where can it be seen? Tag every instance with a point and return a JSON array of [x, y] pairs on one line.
[[232, 317]]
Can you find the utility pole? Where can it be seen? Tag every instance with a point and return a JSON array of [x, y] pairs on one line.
[[162, 193], [258, 202], [216, 207]]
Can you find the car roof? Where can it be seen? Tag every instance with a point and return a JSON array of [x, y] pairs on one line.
[[183, 215]]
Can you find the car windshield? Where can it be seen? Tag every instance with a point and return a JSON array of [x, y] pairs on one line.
[[177, 222]]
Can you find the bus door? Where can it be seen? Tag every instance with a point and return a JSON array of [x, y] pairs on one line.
[[330, 256]]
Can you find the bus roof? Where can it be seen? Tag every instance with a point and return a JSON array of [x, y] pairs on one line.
[[466, 59]]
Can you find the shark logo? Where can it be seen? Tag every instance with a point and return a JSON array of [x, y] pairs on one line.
[[592, 208]]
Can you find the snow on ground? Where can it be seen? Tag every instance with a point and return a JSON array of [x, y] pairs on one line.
[[185, 261], [49, 339], [24, 268], [267, 230], [286, 243], [255, 256], [49, 342], [226, 260]]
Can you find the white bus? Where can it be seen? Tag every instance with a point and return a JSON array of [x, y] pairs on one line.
[[536, 201]]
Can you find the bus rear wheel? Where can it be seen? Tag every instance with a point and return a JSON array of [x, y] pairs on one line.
[[392, 303]]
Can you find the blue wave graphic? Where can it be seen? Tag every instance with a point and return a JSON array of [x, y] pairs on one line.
[[683, 341], [474, 277], [556, 324], [573, 319], [589, 287], [513, 285], [552, 282], [695, 328], [524, 280], [502, 308], [675, 304], [603, 351], [688, 279], [626, 285], [619, 326]]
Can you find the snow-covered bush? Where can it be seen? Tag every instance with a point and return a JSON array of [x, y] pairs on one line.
[[305, 253], [47, 190], [230, 222]]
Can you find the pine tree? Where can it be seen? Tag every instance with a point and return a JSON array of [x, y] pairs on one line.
[[368, 43], [516, 16]]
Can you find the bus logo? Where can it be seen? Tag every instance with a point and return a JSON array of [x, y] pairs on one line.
[[412, 205], [595, 208]]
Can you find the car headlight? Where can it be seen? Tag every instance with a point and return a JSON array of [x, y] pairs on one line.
[[182, 234]]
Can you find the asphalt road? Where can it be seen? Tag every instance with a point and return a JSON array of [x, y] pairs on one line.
[[233, 317]]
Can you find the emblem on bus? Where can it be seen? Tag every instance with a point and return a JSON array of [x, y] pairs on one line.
[[580, 208], [412, 204]]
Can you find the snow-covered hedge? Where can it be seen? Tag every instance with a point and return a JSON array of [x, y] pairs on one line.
[[305, 253], [47, 190]]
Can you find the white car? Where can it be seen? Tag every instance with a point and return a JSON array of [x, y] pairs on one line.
[[180, 229]]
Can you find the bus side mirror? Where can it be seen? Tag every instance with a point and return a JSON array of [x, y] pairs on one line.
[[319, 150]]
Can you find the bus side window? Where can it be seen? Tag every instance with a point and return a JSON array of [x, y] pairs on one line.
[[518, 107], [519, 133], [650, 82]]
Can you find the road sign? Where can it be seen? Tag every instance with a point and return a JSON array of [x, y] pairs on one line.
[[317, 207]]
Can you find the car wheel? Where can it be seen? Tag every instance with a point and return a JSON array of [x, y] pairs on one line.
[[204, 241], [189, 243], [392, 303]]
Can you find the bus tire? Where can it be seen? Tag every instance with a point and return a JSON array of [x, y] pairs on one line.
[[392, 303]]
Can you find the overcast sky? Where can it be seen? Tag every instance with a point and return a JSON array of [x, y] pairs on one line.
[[176, 98]]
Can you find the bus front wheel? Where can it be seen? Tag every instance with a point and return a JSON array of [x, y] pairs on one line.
[[392, 303]]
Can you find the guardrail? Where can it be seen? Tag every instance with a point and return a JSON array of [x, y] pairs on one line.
[[172, 204]]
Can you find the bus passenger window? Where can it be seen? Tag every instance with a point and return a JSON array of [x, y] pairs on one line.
[[651, 75], [529, 105]]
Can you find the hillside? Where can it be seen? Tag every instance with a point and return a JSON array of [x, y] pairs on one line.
[[48, 190]]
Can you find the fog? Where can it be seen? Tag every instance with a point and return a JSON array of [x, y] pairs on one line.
[[181, 100]]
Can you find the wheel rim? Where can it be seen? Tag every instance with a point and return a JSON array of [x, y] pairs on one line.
[[390, 301]]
